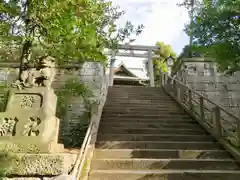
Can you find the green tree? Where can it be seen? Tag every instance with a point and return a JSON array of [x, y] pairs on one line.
[[161, 55], [188, 51], [215, 29], [69, 30]]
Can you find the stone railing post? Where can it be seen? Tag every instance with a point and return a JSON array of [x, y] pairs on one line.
[[202, 109], [190, 104], [216, 117], [179, 96], [162, 79], [238, 133]]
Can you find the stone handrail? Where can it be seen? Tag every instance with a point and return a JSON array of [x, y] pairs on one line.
[[75, 174], [220, 123], [88, 144], [83, 152], [83, 160]]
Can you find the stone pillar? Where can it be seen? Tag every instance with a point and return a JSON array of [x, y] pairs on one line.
[[150, 68], [111, 70]]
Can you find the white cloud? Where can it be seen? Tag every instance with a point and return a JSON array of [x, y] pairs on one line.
[[163, 21]]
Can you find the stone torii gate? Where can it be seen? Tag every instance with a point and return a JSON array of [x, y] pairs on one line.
[[149, 56]]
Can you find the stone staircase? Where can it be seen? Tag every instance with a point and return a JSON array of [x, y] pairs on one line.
[[145, 135]]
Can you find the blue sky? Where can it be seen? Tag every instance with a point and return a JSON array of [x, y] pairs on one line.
[[163, 21]]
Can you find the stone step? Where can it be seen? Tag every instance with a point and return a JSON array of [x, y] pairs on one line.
[[146, 111], [144, 101], [154, 137], [136, 91], [155, 120], [143, 104], [140, 94], [148, 105], [119, 94], [158, 164], [164, 175], [113, 108], [117, 98], [136, 130], [158, 153], [137, 94], [139, 97], [150, 125], [160, 111], [134, 88], [158, 145], [149, 116], [157, 106], [129, 88], [140, 107], [136, 101]]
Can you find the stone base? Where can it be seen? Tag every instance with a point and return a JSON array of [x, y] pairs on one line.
[[28, 145], [40, 165]]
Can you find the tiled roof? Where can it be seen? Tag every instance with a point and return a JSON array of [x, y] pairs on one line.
[[138, 72]]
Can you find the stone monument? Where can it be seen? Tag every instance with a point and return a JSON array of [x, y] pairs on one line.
[[29, 122]]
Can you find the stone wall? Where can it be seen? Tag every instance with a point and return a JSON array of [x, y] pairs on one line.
[[44, 166], [223, 90], [91, 73]]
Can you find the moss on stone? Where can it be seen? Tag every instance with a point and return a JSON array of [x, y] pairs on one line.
[[36, 164], [25, 178], [6, 160], [23, 147], [84, 170]]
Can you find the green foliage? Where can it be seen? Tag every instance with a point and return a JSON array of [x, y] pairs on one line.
[[3, 96], [6, 160], [72, 88], [69, 30], [195, 52], [187, 52], [215, 29], [162, 54]]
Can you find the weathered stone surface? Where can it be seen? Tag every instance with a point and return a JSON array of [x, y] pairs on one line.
[[42, 74], [22, 178], [30, 113], [41, 164], [91, 73], [23, 144], [223, 90]]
